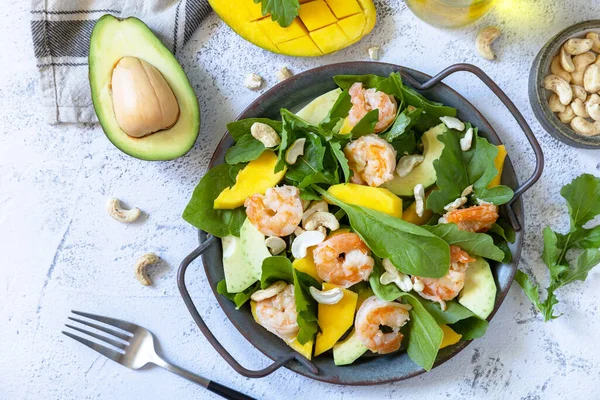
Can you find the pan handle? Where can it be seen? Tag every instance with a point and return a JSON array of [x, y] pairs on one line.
[[537, 150], [292, 355]]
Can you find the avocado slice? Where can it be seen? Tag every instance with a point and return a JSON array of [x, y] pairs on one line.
[[479, 292], [126, 59], [423, 173], [349, 350]]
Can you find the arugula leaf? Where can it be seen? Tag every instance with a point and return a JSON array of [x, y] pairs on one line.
[[306, 306], [504, 230], [339, 111], [389, 292], [276, 268], [336, 149], [583, 202], [432, 110], [308, 194], [246, 149], [477, 244], [413, 249], [238, 298], [404, 121], [282, 11], [200, 212], [405, 144], [310, 168], [366, 125]]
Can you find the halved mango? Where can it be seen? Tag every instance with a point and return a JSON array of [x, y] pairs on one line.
[[410, 214], [499, 164], [307, 264], [375, 198], [256, 177], [334, 319], [322, 26], [450, 337]]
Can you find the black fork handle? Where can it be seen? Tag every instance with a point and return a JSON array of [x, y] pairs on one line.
[[292, 355], [537, 150]]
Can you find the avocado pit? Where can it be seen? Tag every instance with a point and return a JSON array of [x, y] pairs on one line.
[[143, 101]]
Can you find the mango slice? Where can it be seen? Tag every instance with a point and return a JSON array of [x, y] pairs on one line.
[[410, 214], [305, 349], [321, 27], [450, 337], [375, 198], [334, 319], [256, 177], [307, 264], [499, 164]]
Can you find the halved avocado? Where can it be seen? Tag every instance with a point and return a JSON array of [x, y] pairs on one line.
[[129, 40]]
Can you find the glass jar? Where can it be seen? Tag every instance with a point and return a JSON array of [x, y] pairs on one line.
[[450, 13]]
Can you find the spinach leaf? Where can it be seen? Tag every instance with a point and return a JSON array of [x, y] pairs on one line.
[[470, 328], [583, 202], [246, 149], [391, 84], [405, 144], [310, 168], [432, 110], [336, 150], [477, 244], [404, 121], [308, 194], [504, 230], [238, 298], [240, 128], [200, 212], [306, 306], [389, 292], [366, 125], [276, 268], [282, 11], [461, 319], [413, 249]]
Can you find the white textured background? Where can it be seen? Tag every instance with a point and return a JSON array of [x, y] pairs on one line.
[[60, 250]]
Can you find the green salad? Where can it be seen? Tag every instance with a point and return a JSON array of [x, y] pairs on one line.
[[365, 222]]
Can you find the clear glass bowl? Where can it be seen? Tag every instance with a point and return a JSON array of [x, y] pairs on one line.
[[450, 13]]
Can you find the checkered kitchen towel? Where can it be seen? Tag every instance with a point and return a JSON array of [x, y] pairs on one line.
[[61, 32]]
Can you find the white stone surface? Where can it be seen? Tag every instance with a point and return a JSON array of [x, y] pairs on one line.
[[60, 251]]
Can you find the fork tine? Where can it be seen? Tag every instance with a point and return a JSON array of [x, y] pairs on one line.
[[126, 326], [120, 335], [105, 351], [110, 341]]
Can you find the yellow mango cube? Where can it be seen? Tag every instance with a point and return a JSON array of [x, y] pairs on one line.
[[334, 319], [410, 214], [353, 26], [277, 34], [343, 8], [346, 127], [329, 38], [316, 15], [256, 177], [499, 164], [303, 46], [307, 264], [375, 198], [450, 337]]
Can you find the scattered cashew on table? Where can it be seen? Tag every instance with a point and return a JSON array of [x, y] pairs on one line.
[[575, 83]]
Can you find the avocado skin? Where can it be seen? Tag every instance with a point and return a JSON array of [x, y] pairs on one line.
[[104, 54]]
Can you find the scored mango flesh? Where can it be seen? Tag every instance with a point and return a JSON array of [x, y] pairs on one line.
[[321, 27]]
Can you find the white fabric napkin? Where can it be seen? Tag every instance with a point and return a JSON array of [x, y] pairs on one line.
[[61, 32]]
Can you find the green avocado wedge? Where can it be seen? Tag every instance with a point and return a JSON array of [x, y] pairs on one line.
[[111, 40]]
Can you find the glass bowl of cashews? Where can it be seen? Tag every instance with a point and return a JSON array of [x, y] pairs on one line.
[[564, 85]]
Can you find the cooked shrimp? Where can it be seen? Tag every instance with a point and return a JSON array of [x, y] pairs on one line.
[[372, 160], [474, 219], [365, 100], [276, 213], [278, 314], [343, 260], [375, 313], [449, 286]]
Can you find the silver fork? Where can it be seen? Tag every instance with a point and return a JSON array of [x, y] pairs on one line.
[[136, 348]]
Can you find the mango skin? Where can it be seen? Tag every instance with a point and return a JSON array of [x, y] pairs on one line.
[[305, 349], [375, 198], [410, 214], [450, 337], [256, 177], [499, 164], [334, 319]]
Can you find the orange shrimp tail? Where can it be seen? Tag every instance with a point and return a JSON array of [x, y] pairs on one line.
[[474, 219]]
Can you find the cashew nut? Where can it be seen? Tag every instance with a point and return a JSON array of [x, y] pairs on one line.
[[557, 69], [283, 74], [579, 92], [331, 296], [593, 111], [567, 115], [113, 206], [566, 61], [265, 134], [585, 127], [554, 103], [593, 99], [591, 78], [419, 192], [305, 204], [275, 244], [579, 108], [322, 218], [392, 275], [269, 292], [484, 41], [314, 207], [418, 285], [294, 151], [581, 62], [305, 240], [407, 163], [140, 268], [453, 123], [559, 86], [578, 46], [467, 140], [253, 81], [595, 38], [374, 53], [461, 201], [468, 190], [298, 231]]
